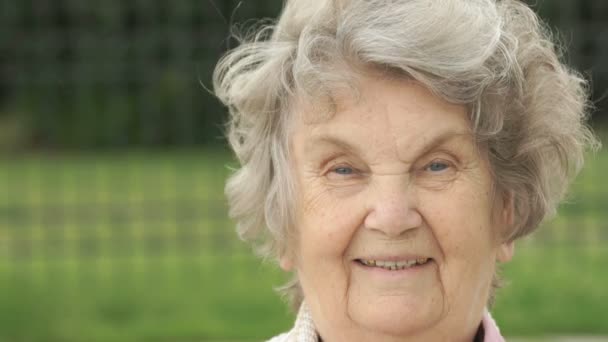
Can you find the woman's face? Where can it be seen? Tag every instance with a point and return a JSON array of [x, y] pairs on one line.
[[397, 224]]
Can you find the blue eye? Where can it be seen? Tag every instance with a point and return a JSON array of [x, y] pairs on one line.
[[437, 166], [343, 170]]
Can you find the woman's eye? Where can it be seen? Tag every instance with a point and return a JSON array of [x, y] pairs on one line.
[[437, 174], [437, 166], [343, 170]]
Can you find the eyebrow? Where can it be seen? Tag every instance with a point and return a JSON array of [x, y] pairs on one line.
[[334, 140], [326, 139], [441, 139]]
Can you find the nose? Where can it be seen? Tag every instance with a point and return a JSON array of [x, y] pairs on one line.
[[392, 209]]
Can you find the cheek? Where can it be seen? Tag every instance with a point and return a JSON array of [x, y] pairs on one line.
[[327, 222], [462, 226], [326, 227], [461, 212], [461, 220]]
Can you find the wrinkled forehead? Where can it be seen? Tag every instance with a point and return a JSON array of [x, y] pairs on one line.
[[341, 87], [401, 109], [318, 104]]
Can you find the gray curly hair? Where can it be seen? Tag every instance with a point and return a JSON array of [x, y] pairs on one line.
[[526, 107]]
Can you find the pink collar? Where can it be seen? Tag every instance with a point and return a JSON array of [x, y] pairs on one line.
[[304, 329], [491, 331]]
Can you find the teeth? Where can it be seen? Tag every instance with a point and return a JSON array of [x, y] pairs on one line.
[[421, 261], [394, 265]]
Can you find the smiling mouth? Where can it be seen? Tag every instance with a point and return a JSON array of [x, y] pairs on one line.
[[393, 265]]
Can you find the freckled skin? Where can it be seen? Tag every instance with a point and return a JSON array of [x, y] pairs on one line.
[[395, 172]]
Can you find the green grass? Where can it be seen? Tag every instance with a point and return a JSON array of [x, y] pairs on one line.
[[555, 290], [135, 246], [167, 299]]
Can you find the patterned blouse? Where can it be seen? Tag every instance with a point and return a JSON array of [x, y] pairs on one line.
[[304, 329]]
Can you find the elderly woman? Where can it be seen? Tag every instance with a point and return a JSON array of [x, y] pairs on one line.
[[391, 153]]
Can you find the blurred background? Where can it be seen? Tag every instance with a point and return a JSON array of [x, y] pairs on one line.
[[113, 225]]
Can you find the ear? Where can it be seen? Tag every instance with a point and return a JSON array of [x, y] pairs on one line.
[[508, 210], [286, 263], [506, 251]]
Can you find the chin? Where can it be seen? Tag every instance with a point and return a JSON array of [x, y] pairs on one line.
[[395, 316]]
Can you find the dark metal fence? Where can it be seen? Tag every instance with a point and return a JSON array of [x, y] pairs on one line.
[[114, 73]]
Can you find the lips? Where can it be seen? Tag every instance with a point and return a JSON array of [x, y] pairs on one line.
[[393, 265]]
